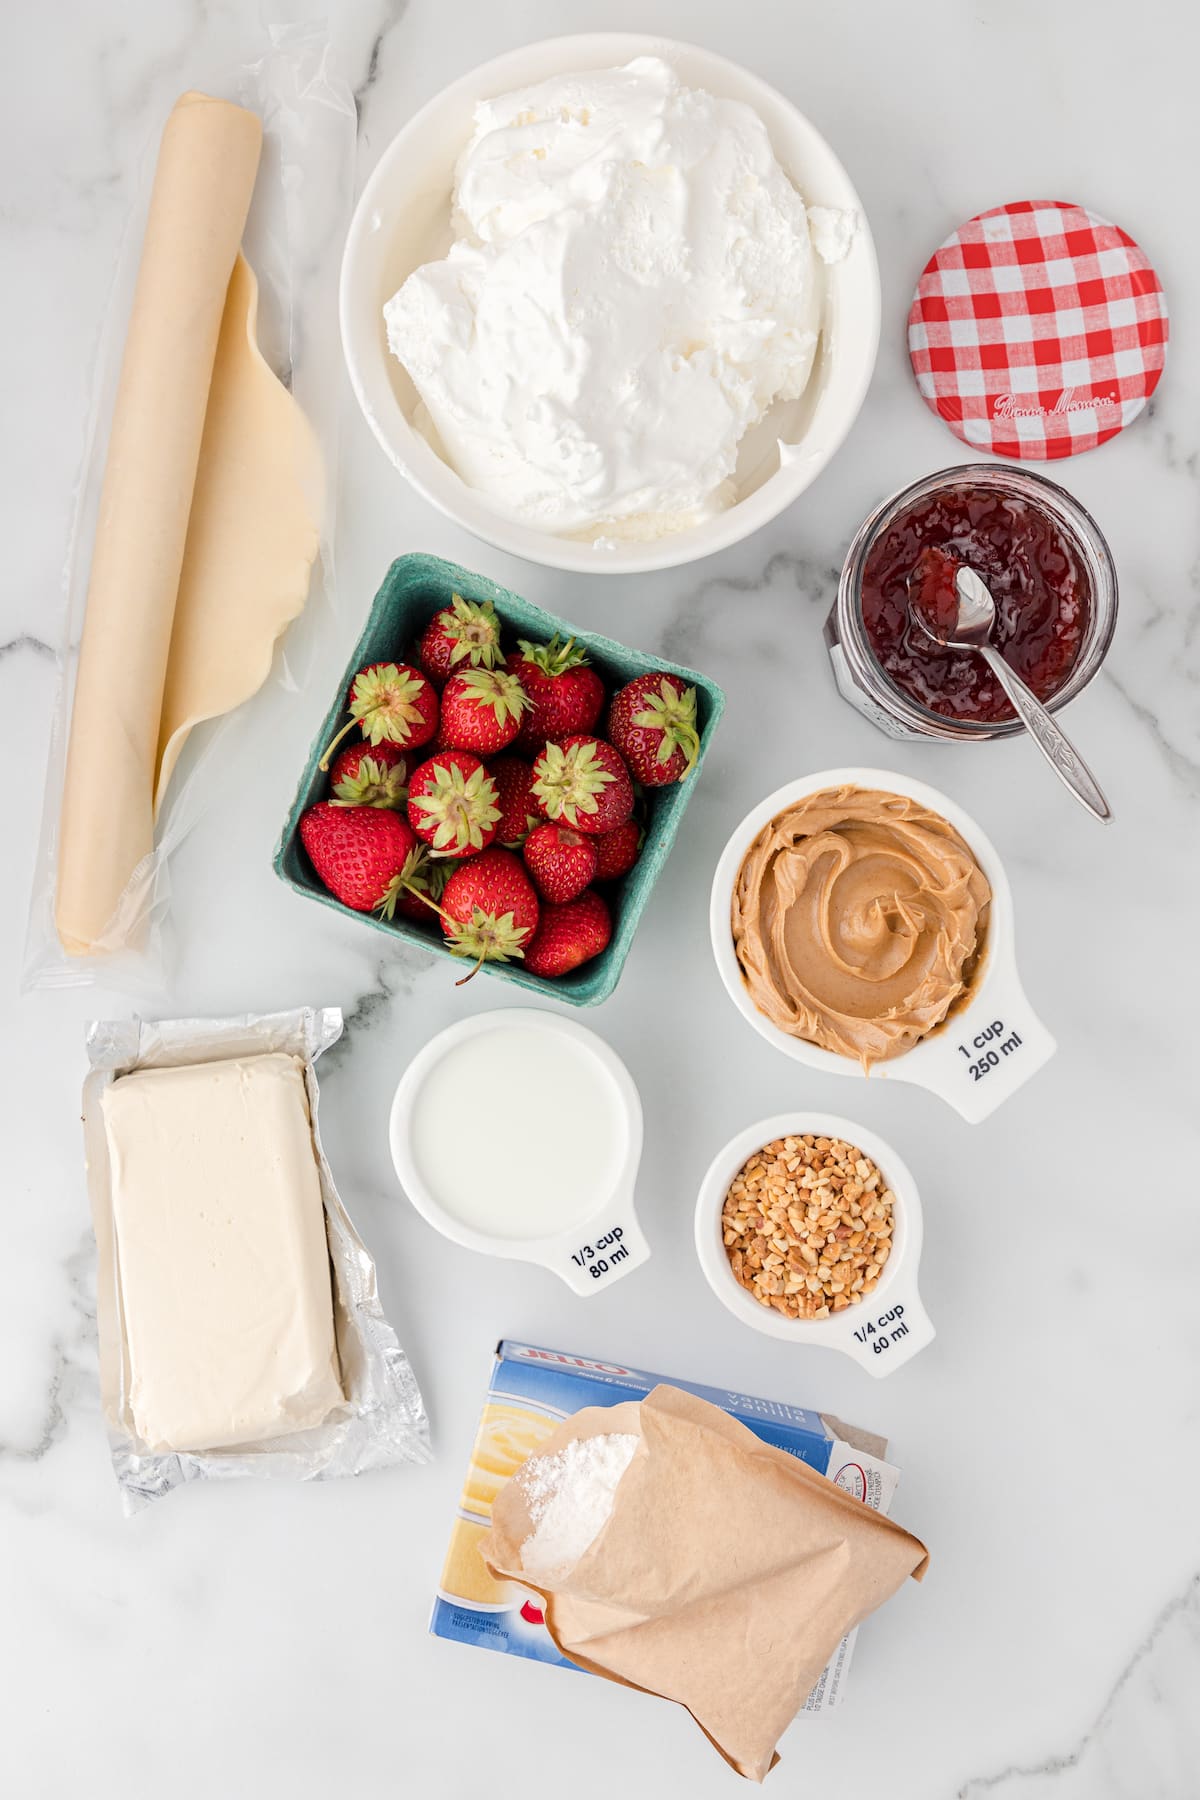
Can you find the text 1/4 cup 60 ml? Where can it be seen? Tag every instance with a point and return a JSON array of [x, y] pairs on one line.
[[870, 1310]]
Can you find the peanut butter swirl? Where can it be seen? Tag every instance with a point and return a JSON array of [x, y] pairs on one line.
[[859, 920]]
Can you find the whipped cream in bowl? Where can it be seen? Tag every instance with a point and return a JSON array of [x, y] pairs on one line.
[[632, 288], [590, 299]]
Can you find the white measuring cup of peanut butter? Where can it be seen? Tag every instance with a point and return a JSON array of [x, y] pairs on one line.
[[883, 1329], [991, 1042], [518, 1133]]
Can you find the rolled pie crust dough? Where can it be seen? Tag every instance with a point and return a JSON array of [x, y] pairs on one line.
[[252, 538], [206, 531]]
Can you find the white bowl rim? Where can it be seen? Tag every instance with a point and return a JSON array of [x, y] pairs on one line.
[[999, 960], [543, 1249], [445, 490], [907, 1235]]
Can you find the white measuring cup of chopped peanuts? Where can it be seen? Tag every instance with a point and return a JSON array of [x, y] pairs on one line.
[[991, 1042], [882, 1329], [518, 1133]]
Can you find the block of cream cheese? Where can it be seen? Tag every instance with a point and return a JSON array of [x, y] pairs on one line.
[[222, 1255]]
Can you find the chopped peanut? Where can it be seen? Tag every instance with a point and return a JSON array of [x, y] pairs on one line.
[[807, 1225]]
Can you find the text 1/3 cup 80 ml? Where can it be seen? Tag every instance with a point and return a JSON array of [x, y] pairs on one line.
[[553, 1187]]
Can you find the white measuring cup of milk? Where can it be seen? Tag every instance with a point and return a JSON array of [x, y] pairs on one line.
[[519, 1133], [888, 1326], [990, 1044]]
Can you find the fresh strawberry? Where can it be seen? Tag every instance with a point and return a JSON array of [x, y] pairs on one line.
[[452, 803], [489, 909], [565, 694], [569, 935], [652, 722], [391, 703], [359, 853], [561, 861], [518, 809], [481, 711], [420, 888], [466, 633], [369, 775], [617, 851], [582, 782]]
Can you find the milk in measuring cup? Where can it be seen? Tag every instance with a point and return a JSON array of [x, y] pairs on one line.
[[518, 1133]]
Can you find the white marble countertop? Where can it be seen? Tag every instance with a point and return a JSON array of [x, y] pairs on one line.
[[268, 1640]]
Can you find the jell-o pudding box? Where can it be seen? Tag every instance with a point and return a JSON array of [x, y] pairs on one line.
[[531, 1391]]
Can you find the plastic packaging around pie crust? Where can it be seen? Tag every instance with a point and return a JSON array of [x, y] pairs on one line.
[[301, 195], [383, 1420]]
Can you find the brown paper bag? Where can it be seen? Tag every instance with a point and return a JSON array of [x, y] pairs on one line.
[[725, 1577]]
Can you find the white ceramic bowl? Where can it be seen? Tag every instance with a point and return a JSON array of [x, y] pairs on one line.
[[882, 1331], [403, 220], [987, 1048], [588, 1254]]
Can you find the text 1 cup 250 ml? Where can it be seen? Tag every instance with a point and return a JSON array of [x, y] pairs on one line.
[[988, 1047], [518, 1133]]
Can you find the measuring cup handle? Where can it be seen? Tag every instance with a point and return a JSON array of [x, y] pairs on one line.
[[977, 1061], [891, 1332], [612, 1246]]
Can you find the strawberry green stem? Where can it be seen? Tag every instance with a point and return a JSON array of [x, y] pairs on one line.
[[439, 910], [398, 885], [472, 972], [323, 765]]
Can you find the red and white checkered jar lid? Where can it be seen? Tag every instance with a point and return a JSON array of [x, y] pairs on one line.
[[1037, 330]]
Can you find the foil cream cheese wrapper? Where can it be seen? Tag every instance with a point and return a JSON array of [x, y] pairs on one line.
[[383, 1420]]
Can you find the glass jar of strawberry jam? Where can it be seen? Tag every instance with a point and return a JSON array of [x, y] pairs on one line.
[[1049, 571]]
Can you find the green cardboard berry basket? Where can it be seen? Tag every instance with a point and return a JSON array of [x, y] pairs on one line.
[[414, 588]]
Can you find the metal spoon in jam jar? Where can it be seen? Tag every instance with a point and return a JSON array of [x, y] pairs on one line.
[[953, 605]]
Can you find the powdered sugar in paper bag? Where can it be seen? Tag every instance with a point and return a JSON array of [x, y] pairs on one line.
[[724, 1576]]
